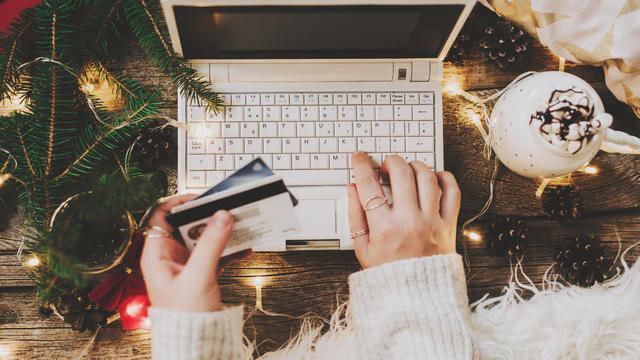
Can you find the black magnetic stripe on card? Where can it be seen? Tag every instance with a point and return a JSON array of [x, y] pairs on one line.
[[227, 203]]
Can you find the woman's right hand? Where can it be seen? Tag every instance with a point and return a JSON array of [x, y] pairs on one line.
[[421, 221]]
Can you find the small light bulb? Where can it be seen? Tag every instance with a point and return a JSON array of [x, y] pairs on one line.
[[452, 87], [89, 87], [473, 235], [3, 178], [258, 281], [476, 119], [16, 100], [5, 352], [33, 261], [590, 169]]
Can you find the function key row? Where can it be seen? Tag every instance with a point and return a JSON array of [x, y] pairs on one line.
[[422, 98]]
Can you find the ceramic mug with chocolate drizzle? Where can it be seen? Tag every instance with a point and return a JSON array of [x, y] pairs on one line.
[[552, 123]]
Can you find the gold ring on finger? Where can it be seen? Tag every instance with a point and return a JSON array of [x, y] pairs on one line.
[[359, 233], [368, 206]]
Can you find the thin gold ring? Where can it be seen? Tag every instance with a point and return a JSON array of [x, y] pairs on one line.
[[155, 231], [359, 233], [375, 206]]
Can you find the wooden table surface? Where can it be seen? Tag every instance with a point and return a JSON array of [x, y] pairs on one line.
[[297, 283]]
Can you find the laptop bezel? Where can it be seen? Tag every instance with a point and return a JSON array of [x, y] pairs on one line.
[[168, 5]]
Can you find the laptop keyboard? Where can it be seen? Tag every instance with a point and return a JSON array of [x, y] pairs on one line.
[[307, 137]]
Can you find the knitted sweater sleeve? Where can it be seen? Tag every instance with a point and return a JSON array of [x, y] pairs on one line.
[[196, 336], [412, 309]]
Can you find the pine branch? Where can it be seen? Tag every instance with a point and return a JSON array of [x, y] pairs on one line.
[[13, 42]]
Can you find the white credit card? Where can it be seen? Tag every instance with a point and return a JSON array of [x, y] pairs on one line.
[[262, 212]]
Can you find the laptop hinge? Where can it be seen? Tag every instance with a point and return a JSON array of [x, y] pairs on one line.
[[311, 72], [299, 245]]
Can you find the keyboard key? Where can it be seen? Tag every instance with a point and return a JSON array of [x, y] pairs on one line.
[[369, 99], [237, 99], [338, 161], [419, 144], [324, 129], [413, 128], [268, 130], [397, 98], [196, 178], [347, 145], [252, 146], [282, 99], [242, 160], [426, 128], [339, 99], [226, 99], [397, 144], [253, 113], [328, 113], [267, 99], [291, 145], [407, 156], [402, 112], [367, 144], [271, 113], [216, 117], [195, 146], [380, 128], [397, 128], [376, 159], [325, 99], [282, 161], [296, 99], [311, 99], [411, 98], [383, 98], [234, 113], [290, 113], [427, 158], [195, 131], [315, 177], [267, 158], [196, 114], [287, 129], [253, 99], [423, 112], [211, 130], [426, 98], [310, 145], [273, 145], [214, 177], [309, 113], [362, 128], [215, 146], [230, 130], [234, 146], [365, 113], [346, 113], [300, 161], [354, 99], [384, 112], [343, 129], [306, 129], [319, 161], [329, 145], [383, 144], [224, 162], [249, 129]]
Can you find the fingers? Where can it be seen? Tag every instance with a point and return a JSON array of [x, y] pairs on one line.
[[403, 184], [357, 222], [427, 187], [205, 257], [450, 199], [368, 185], [160, 213], [161, 257]]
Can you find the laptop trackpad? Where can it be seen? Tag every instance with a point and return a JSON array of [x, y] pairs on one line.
[[317, 219]]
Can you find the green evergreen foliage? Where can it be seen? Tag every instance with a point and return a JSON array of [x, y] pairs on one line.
[[61, 148]]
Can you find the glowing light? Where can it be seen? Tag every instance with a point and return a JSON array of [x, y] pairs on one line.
[[476, 119], [452, 86], [4, 178], [590, 169], [33, 261], [15, 100], [134, 309], [473, 235], [89, 87], [258, 281], [5, 352]]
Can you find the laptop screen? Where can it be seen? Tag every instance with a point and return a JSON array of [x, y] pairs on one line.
[[315, 32]]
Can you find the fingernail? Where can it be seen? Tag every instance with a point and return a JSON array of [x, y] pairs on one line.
[[221, 219]]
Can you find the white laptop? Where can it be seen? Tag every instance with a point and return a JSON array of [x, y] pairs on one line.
[[306, 83]]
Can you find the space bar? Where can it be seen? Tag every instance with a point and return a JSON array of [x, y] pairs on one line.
[[314, 177]]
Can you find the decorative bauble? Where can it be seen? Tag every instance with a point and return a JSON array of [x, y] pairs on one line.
[[460, 48], [504, 43], [507, 236], [80, 312], [552, 123], [562, 202], [156, 144], [582, 260]]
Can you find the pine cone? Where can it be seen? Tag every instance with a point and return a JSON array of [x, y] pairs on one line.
[[504, 43], [155, 144], [80, 312], [507, 237], [562, 202], [460, 48], [582, 260]]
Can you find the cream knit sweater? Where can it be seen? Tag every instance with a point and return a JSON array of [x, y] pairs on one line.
[[408, 309]]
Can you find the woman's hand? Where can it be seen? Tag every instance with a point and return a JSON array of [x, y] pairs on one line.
[[420, 222], [177, 280]]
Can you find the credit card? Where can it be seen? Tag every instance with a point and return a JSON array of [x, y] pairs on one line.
[[262, 212]]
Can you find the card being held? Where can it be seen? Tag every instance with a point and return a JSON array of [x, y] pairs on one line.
[[261, 206]]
